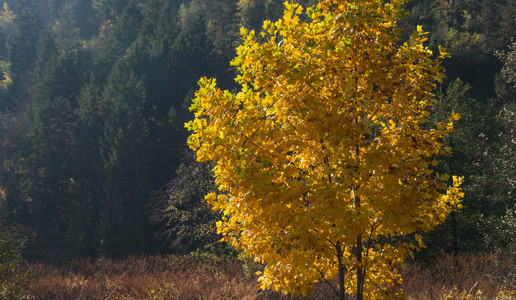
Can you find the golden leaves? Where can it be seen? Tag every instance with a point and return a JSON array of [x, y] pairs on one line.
[[325, 142]]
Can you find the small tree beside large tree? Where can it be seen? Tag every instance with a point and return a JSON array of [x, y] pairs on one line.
[[325, 156]]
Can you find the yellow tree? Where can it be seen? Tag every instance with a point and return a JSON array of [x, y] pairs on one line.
[[325, 156]]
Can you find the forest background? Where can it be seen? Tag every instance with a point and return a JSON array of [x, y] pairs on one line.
[[94, 97]]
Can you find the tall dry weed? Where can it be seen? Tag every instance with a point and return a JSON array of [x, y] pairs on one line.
[[145, 277], [179, 277], [451, 275]]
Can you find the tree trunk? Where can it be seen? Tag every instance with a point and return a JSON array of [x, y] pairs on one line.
[[342, 273], [360, 270]]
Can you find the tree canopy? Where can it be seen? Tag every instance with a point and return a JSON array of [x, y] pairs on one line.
[[325, 156]]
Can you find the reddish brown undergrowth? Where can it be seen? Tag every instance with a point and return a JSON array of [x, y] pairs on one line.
[[170, 277], [176, 277], [455, 276]]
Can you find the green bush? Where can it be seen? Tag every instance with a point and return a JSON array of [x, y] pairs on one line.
[[500, 234], [14, 276]]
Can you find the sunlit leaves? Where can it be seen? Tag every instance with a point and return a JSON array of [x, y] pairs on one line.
[[327, 143]]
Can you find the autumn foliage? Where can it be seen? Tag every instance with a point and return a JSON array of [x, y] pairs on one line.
[[325, 156]]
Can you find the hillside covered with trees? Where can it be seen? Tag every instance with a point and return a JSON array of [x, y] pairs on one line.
[[94, 95]]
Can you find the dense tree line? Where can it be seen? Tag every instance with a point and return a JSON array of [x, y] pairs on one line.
[[94, 97]]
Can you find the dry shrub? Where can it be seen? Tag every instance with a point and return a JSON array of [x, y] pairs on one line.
[[452, 275], [448, 276], [144, 277], [178, 277]]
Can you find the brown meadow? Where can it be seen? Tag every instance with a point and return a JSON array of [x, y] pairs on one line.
[[179, 277]]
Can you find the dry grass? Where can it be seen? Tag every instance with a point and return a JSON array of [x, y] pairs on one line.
[[174, 277], [453, 276], [144, 278]]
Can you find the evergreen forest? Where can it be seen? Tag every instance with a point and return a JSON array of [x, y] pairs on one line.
[[94, 95]]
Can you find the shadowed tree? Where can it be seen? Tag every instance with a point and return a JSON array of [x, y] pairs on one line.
[[188, 221]]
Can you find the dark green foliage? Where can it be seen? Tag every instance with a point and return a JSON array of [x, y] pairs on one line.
[[509, 60], [128, 25], [501, 159], [63, 29], [49, 178], [23, 42], [56, 74], [191, 55], [188, 221], [87, 167], [85, 17], [467, 29], [500, 233], [472, 137], [498, 228], [473, 31], [223, 26], [123, 148], [109, 9], [47, 166], [14, 278]]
